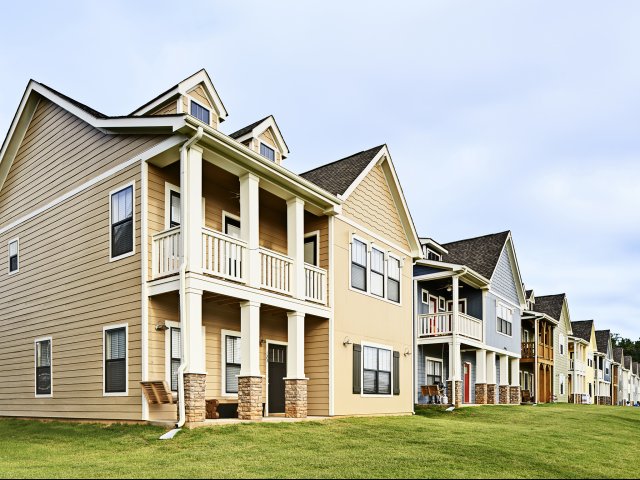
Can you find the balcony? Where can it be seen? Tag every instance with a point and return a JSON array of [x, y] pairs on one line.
[[225, 257], [576, 366], [545, 352], [441, 324]]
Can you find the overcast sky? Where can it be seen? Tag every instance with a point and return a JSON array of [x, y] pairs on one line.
[[498, 115]]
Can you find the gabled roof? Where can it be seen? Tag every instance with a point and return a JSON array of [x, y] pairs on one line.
[[627, 362], [582, 329], [182, 88], [257, 128], [618, 355], [529, 294], [480, 253], [336, 177], [551, 305], [602, 340]]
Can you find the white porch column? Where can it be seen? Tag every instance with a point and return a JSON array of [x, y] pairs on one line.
[[504, 370], [295, 245], [515, 372], [481, 366], [250, 225], [191, 208], [456, 299], [191, 330], [250, 339], [295, 347], [454, 361], [491, 368]]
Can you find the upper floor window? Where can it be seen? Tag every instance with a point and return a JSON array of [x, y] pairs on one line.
[[431, 255], [311, 249], [267, 152], [393, 279], [13, 255], [115, 360], [122, 222], [231, 226], [359, 265], [504, 319], [43, 367], [377, 272], [201, 113], [174, 208]]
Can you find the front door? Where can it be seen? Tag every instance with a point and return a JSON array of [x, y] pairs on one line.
[[277, 370], [467, 383]]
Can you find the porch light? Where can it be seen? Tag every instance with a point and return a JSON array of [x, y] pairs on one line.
[[161, 327], [347, 341], [407, 352]]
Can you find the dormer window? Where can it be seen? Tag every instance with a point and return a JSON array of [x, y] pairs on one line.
[[431, 255], [267, 152], [201, 113]]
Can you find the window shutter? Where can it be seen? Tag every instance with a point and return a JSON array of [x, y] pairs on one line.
[[396, 373], [357, 369]]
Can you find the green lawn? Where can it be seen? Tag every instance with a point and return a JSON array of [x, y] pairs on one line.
[[543, 441]]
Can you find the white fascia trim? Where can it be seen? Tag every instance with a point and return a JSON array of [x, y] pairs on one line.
[[374, 161], [373, 235], [104, 360], [152, 152], [263, 127], [505, 299], [35, 366]]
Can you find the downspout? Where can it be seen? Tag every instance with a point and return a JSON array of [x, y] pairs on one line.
[[183, 280]]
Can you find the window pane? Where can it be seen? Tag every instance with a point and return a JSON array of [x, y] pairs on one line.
[[384, 360], [369, 382], [231, 378], [43, 380], [232, 227], [13, 249], [13, 263], [116, 344], [394, 290], [267, 152], [233, 350], [377, 284], [176, 344], [359, 253], [384, 383], [377, 261], [310, 250], [358, 277], [122, 238], [43, 350], [175, 366], [115, 376], [370, 358], [394, 268], [174, 212], [200, 112]]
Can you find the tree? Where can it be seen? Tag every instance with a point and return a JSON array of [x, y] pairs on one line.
[[629, 346]]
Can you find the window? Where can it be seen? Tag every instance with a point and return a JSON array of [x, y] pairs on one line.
[[267, 152], [311, 249], [175, 356], [377, 371], [231, 363], [462, 305], [13, 256], [231, 226], [200, 112], [377, 272], [359, 265], [504, 318], [561, 341], [425, 297], [174, 209], [115, 360], [431, 255], [122, 222], [393, 280], [43, 367], [434, 371], [561, 384]]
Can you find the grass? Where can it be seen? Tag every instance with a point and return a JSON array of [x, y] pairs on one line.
[[554, 441]]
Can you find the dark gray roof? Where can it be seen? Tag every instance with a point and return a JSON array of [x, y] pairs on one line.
[[479, 253], [618, 355], [244, 130], [602, 340], [582, 329], [337, 177], [550, 305], [627, 362]]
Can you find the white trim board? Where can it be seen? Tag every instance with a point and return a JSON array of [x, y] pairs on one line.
[[35, 366]]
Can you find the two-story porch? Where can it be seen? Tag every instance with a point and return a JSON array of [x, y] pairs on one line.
[[578, 383], [537, 362]]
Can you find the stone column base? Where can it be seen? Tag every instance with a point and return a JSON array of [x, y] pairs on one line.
[[195, 407], [481, 393], [454, 390], [295, 397], [492, 398], [503, 395], [250, 398], [514, 395]]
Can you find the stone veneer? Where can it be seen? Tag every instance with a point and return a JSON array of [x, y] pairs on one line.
[[455, 396], [492, 398], [514, 395], [295, 398], [195, 407], [481, 393], [503, 395], [250, 398]]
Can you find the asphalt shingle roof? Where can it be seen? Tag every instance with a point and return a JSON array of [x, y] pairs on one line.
[[244, 130], [582, 329], [602, 340], [618, 355], [337, 177], [479, 253], [550, 305]]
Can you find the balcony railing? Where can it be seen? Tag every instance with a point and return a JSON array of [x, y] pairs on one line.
[[222, 255], [440, 324], [576, 365], [528, 349], [166, 252], [545, 351], [275, 273], [315, 284]]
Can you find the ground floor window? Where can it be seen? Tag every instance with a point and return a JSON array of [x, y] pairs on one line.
[[434, 371], [115, 360], [376, 371], [43, 367], [232, 360], [175, 356]]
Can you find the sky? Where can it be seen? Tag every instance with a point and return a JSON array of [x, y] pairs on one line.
[[499, 115]]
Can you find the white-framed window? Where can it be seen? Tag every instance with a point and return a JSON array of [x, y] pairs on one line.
[[312, 248], [201, 112], [359, 264], [122, 222], [230, 361], [562, 384], [442, 304], [425, 297], [14, 253], [434, 256], [172, 202], [267, 152], [115, 364], [433, 371], [376, 370], [393, 279], [174, 353], [377, 272], [462, 305], [504, 319], [561, 341], [43, 364], [231, 224]]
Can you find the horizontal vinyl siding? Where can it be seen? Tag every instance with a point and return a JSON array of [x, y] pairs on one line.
[[316, 365], [58, 153], [67, 289]]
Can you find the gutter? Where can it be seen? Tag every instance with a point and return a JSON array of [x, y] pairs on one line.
[[183, 280]]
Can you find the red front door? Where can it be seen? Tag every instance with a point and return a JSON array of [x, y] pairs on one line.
[[467, 383]]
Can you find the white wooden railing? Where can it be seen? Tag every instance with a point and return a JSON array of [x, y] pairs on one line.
[[440, 324], [576, 365], [166, 253], [222, 255], [315, 281], [275, 271]]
